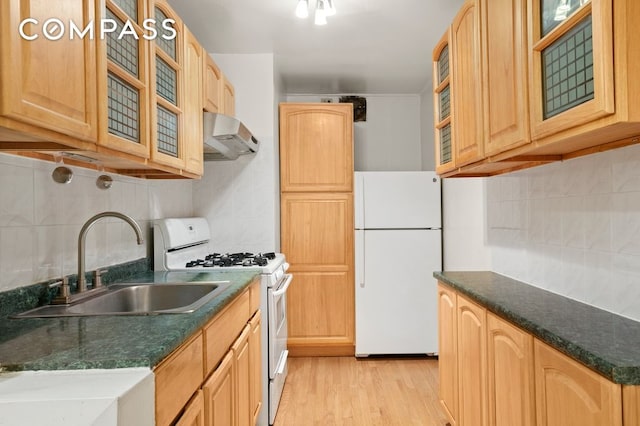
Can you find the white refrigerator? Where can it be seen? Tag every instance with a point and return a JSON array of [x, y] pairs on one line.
[[398, 240]]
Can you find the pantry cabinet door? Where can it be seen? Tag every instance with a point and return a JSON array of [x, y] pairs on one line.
[[51, 84]]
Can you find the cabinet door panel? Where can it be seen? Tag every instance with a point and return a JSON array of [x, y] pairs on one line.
[[317, 231], [193, 59], [472, 376], [569, 394], [316, 147], [255, 353], [219, 394], [504, 52], [467, 85], [242, 377], [510, 374], [49, 83], [213, 85], [194, 412], [448, 345]]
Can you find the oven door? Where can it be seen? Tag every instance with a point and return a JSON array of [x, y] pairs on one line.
[[277, 299]]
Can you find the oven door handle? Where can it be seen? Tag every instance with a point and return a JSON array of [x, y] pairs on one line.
[[283, 362], [283, 288]]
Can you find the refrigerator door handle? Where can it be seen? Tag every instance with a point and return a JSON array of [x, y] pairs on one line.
[[359, 243]]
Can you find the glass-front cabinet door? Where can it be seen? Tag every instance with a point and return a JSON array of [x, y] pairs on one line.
[[572, 63], [444, 155]]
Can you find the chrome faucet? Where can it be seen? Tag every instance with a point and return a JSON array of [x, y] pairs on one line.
[[82, 282]]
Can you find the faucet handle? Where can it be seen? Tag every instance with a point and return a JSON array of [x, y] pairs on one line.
[[65, 291], [97, 277]]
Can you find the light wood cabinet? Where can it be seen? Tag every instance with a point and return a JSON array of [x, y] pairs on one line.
[[255, 372], [219, 394], [316, 148], [194, 412], [504, 72], [472, 361], [219, 370], [448, 356], [213, 85], [177, 378], [316, 216], [445, 151], [509, 374], [569, 394], [466, 85], [228, 97], [193, 89], [51, 84]]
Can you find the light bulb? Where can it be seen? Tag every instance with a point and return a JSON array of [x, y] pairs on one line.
[[302, 10], [321, 16], [329, 8]]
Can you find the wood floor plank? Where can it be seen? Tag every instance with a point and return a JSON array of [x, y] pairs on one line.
[[346, 391]]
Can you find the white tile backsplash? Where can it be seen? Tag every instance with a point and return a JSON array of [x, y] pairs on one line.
[[40, 219], [574, 225]]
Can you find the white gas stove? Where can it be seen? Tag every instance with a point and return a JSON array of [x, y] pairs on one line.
[[183, 244]]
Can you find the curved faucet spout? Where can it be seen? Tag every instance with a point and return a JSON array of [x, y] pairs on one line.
[[82, 283]]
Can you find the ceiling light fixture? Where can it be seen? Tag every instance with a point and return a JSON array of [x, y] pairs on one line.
[[324, 8]]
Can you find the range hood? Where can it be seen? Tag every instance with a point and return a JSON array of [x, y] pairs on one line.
[[226, 138]]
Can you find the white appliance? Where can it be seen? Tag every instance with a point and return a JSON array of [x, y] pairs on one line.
[[182, 244], [398, 240]]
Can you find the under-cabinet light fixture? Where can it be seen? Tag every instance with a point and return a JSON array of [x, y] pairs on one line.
[[324, 8]]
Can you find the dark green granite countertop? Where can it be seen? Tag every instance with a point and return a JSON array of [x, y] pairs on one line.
[[74, 343], [605, 342]]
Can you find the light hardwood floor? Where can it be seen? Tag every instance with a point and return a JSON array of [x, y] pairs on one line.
[[361, 392]]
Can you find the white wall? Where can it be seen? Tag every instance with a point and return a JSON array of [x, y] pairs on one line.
[[572, 228], [240, 198], [390, 138], [40, 219]]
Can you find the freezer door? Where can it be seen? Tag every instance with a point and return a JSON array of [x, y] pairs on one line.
[[396, 306], [401, 200]]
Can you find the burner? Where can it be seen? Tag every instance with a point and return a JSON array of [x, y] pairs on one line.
[[243, 259]]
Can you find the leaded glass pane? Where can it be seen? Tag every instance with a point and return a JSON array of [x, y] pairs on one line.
[[445, 144], [443, 64], [123, 109], [445, 103], [123, 52], [168, 46], [567, 70], [130, 7], [166, 81], [167, 132]]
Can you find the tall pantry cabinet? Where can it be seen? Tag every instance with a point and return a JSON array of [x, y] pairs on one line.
[[316, 184]]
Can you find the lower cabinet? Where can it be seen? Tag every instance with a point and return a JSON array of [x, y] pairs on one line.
[[493, 373], [194, 412], [569, 394], [215, 379], [509, 374]]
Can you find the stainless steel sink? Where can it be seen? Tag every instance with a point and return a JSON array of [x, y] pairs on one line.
[[137, 299]]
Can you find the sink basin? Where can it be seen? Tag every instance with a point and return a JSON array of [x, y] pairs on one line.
[[137, 299]]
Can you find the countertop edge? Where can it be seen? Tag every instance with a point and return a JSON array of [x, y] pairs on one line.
[[623, 375]]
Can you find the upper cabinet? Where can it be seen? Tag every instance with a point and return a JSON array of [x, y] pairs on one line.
[[228, 97], [124, 80], [466, 84], [557, 82], [213, 86], [316, 147], [504, 74], [50, 84], [571, 64], [442, 106], [193, 88]]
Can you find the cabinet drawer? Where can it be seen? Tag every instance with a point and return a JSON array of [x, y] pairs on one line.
[[223, 330], [254, 296], [177, 378]]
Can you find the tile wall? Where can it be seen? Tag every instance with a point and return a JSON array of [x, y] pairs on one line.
[[40, 219], [572, 228]]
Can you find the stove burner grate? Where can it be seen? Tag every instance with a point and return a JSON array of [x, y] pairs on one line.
[[234, 259]]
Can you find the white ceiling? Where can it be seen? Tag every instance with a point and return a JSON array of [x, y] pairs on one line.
[[369, 46]]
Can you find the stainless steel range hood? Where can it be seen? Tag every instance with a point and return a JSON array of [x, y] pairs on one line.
[[226, 138]]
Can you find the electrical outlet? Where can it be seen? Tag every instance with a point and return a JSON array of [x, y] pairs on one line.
[[326, 100]]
